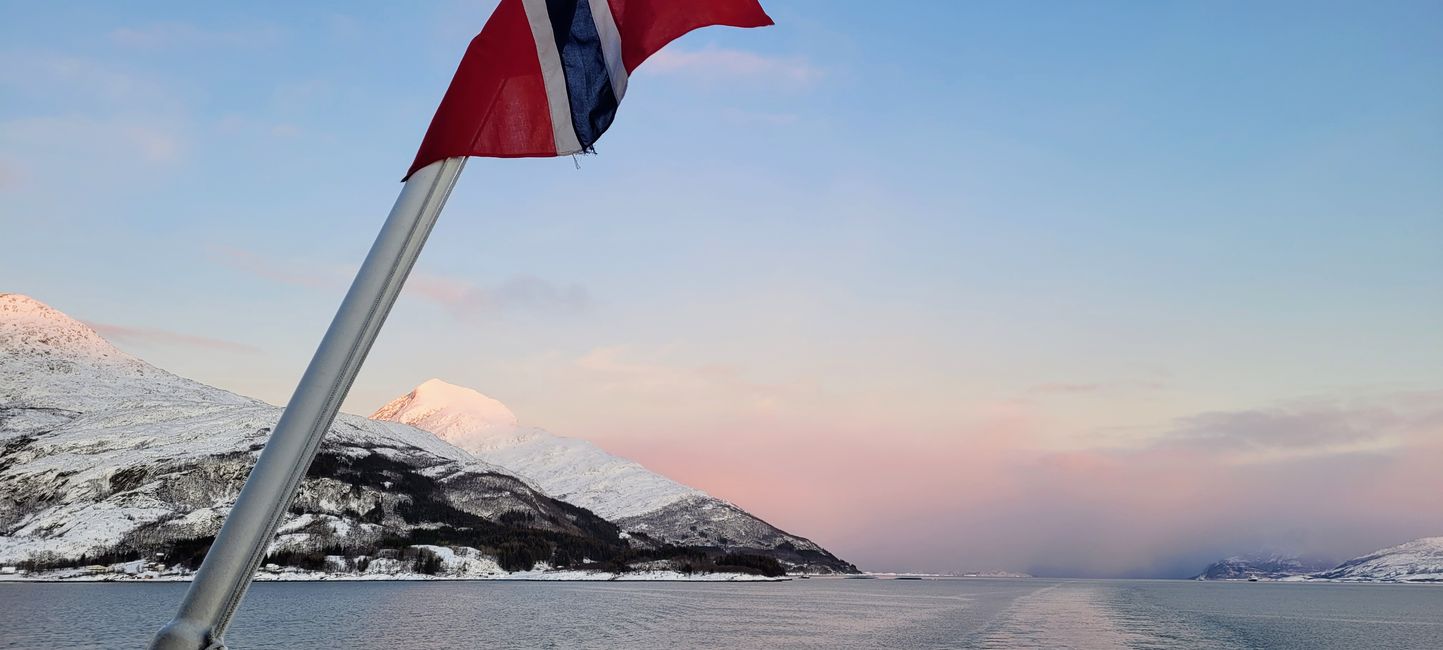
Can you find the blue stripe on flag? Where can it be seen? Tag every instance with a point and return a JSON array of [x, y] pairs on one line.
[[588, 86]]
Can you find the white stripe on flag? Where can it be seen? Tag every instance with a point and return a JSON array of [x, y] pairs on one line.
[[554, 77], [610, 45]]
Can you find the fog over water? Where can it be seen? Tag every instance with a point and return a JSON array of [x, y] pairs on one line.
[[1326, 478]]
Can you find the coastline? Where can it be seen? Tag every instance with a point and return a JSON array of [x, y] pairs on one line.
[[317, 576]]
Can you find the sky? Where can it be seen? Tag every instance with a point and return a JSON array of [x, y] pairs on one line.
[[1088, 289]]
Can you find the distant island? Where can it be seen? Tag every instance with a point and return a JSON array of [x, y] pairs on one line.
[[994, 574]]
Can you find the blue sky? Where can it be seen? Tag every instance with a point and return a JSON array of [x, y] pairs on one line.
[[931, 230]]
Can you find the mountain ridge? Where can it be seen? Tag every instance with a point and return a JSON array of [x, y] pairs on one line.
[[105, 458], [578, 471], [1418, 560], [1270, 566], [102, 450]]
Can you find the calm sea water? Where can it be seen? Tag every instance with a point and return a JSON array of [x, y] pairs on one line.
[[798, 614]]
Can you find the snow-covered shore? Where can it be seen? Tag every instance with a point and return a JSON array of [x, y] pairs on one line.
[[75, 575], [451, 563]]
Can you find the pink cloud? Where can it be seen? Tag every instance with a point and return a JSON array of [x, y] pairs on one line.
[[149, 336], [462, 299], [269, 269], [10, 176], [986, 496], [518, 292], [1064, 388]]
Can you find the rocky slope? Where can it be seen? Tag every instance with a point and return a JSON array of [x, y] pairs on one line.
[[643, 503], [106, 459]]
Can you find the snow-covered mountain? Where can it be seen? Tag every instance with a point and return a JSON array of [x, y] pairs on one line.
[[568, 468], [577, 471], [1420, 560], [104, 457], [1263, 566]]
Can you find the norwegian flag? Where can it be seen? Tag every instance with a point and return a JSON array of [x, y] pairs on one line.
[[544, 77]]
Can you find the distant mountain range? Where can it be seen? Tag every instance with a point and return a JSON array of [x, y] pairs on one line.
[[1420, 560], [107, 460]]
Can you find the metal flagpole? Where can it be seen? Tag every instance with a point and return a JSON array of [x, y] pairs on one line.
[[231, 563]]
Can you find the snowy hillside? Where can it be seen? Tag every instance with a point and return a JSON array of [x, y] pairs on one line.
[[1273, 566], [104, 458], [567, 468], [577, 471], [1420, 560]]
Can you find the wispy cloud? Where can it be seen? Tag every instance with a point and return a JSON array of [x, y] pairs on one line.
[[654, 375], [154, 144], [516, 293], [249, 127], [741, 117], [151, 336], [168, 35], [99, 114], [69, 78], [1064, 388], [10, 175], [462, 299], [284, 273], [719, 64], [1315, 427], [150, 142], [98, 76], [625, 365]]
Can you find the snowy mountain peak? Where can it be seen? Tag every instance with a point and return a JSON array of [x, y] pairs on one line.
[[442, 394], [568, 468], [49, 357], [456, 414], [31, 327], [19, 302]]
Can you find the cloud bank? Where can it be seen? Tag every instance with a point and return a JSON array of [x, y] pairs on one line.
[[1325, 477]]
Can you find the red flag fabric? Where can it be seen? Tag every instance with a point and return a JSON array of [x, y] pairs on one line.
[[545, 77]]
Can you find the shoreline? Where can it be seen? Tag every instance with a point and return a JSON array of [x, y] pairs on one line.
[[574, 577], [299, 576]]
